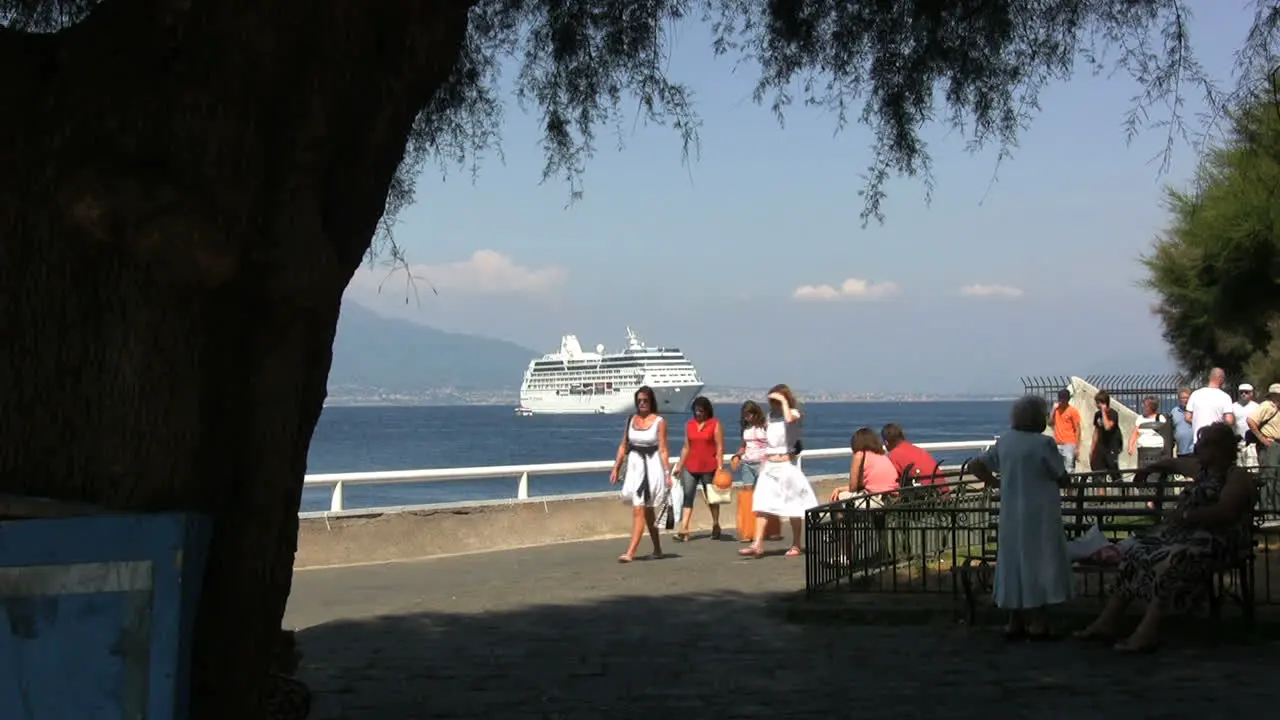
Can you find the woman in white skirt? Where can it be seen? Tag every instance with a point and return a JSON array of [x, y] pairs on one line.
[[782, 490], [646, 482]]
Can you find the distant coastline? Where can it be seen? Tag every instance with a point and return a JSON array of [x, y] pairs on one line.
[[453, 397]]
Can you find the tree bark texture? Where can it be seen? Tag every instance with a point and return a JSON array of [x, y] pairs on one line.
[[188, 187]]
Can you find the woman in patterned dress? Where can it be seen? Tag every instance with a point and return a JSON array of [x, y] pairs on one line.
[[1171, 569]]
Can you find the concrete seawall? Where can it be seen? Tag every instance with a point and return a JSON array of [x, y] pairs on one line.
[[355, 537]]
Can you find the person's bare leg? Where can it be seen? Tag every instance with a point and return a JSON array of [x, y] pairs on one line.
[[756, 548], [1147, 634], [1017, 624], [715, 521], [637, 532], [651, 520], [1107, 623], [686, 519], [1037, 621], [797, 529]]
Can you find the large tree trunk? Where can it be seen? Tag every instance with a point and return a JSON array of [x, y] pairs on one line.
[[188, 187]]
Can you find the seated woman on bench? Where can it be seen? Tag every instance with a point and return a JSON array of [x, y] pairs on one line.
[[1172, 568]]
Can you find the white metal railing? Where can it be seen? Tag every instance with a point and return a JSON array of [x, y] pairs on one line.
[[522, 473]]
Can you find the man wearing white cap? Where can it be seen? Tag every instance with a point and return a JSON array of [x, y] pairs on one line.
[[1265, 424], [1243, 409]]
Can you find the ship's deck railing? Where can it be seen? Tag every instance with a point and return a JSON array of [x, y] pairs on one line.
[[523, 473]]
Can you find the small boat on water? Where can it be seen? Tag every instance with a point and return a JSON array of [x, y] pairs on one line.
[[523, 411]]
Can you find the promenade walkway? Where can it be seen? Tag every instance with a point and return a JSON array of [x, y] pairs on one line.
[[565, 632]]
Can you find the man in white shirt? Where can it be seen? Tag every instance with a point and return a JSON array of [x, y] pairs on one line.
[[1210, 404], [1243, 410]]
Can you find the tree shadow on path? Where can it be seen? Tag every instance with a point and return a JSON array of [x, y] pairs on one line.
[[723, 655]]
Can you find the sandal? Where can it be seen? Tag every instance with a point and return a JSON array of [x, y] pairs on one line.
[[794, 552], [715, 532], [624, 558], [1015, 634], [1095, 637], [1124, 647], [751, 551]]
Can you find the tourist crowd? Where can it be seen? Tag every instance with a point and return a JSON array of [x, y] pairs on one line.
[[1158, 435], [772, 486], [1224, 448]]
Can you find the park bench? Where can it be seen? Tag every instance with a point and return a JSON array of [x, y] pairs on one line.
[[1119, 510], [868, 533]]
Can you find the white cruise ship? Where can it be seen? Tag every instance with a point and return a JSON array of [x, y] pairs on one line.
[[571, 381]]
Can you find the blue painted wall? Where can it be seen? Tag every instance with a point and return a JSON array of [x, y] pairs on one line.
[[96, 616]]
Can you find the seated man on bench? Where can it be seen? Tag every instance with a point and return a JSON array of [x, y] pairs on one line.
[[1171, 568]]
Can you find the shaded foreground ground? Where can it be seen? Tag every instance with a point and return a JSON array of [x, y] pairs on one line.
[[564, 632]]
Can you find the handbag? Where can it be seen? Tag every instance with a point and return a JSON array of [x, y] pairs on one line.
[[719, 492]]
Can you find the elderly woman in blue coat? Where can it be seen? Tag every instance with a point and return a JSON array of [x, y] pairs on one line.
[[1033, 571]]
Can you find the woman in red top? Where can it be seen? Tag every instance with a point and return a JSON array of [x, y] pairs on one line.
[[700, 458]]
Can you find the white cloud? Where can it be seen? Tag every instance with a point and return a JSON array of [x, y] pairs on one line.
[[851, 289], [992, 291], [486, 272]]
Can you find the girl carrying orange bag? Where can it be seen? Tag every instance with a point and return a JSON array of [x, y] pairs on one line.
[[747, 460]]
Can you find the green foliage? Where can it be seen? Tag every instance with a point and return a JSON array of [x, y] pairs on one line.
[[892, 65], [1216, 269]]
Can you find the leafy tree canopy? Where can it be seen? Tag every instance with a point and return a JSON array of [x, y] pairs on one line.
[[1216, 269], [893, 65]]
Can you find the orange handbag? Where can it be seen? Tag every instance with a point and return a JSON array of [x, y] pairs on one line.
[[720, 491]]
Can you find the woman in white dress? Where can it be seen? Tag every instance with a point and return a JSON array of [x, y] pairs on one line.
[[1033, 570], [646, 482], [782, 490]]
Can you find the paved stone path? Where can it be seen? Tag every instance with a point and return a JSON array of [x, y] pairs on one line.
[[565, 632]]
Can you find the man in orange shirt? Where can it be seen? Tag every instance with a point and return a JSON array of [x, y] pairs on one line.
[[1065, 421]]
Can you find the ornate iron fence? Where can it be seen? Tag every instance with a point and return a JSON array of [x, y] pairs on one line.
[[1127, 389], [921, 539]]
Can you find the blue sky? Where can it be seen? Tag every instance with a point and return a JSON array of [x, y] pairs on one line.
[[710, 256]]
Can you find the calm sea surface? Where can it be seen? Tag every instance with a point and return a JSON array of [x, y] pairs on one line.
[[356, 439]]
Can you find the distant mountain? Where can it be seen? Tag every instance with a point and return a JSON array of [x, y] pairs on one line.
[[399, 356]]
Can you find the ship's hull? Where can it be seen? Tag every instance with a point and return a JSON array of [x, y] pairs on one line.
[[671, 399]]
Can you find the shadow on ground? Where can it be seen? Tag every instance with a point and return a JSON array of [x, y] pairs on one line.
[[727, 655]]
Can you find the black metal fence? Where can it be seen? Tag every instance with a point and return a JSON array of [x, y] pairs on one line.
[[918, 539], [1126, 389]]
